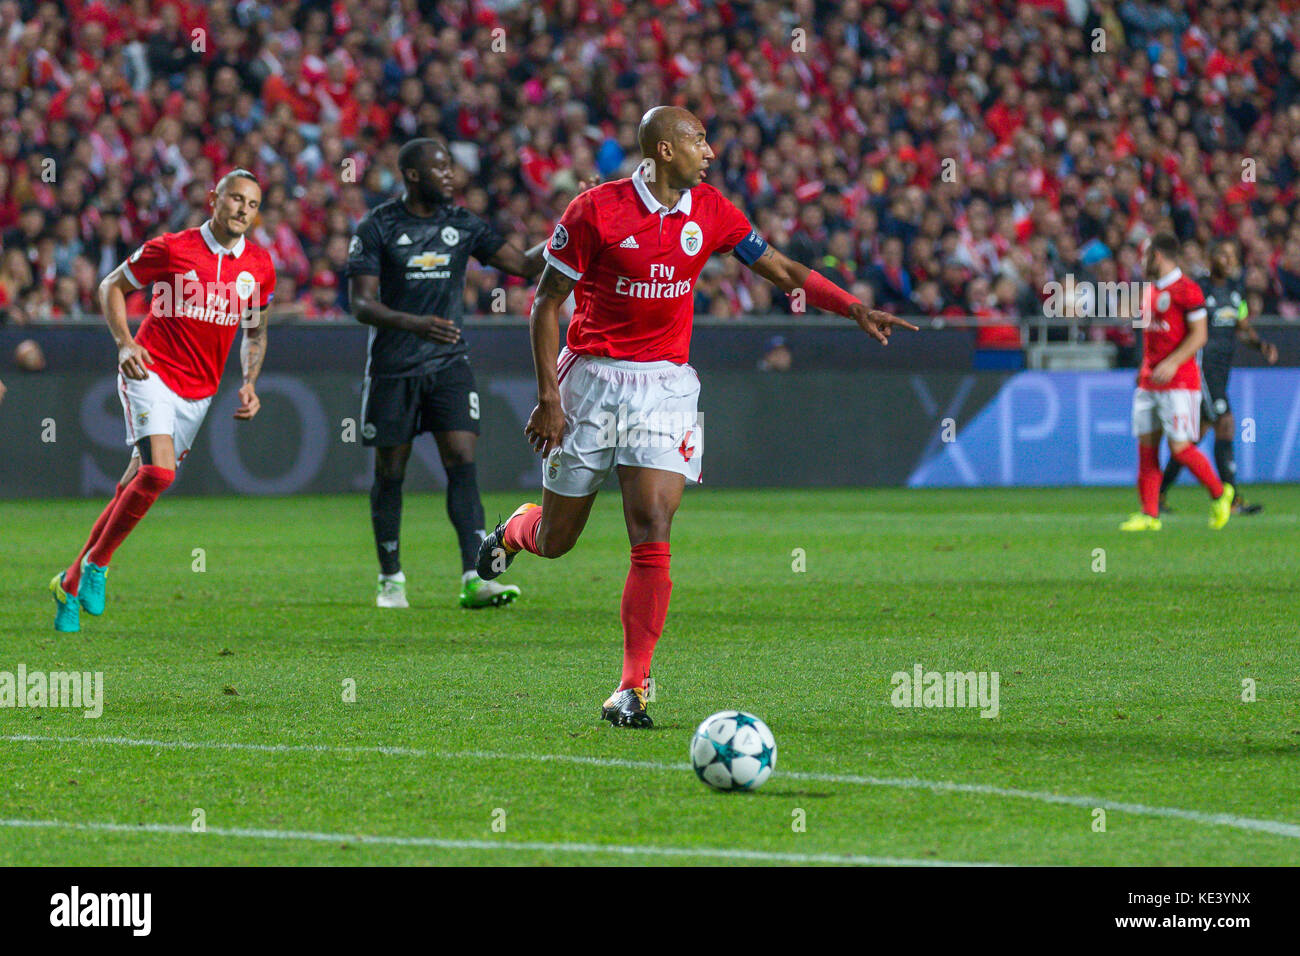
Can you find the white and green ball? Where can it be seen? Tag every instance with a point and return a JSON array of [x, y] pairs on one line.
[[733, 750]]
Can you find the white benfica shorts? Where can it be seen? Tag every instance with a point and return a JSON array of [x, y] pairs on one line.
[[623, 413], [1175, 411], [151, 408]]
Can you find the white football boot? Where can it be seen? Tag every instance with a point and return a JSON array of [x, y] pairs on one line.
[[391, 592]]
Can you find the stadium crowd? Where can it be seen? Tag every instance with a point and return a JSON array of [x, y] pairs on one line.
[[936, 158]]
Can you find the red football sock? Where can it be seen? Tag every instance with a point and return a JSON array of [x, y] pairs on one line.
[[644, 609], [1149, 476], [1199, 466], [521, 531], [142, 491], [72, 576]]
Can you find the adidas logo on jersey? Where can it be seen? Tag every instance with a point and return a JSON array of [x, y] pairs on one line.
[[628, 243], [191, 275], [404, 240]]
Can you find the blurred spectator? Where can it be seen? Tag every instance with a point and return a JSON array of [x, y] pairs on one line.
[[15, 280], [29, 357], [777, 358], [928, 301], [891, 279], [323, 299]]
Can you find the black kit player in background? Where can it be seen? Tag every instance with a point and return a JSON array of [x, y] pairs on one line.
[[406, 269], [1229, 320]]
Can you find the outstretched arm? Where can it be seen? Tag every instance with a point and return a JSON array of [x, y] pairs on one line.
[[528, 264], [780, 270], [545, 425], [790, 277], [518, 262]]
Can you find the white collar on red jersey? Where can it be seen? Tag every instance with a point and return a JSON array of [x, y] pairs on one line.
[[654, 205], [1169, 278], [216, 248]]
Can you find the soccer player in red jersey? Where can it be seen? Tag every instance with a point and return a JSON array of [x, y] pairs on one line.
[[621, 394], [1168, 395], [210, 281]]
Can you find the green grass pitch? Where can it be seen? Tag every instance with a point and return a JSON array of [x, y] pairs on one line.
[[1121, 689]]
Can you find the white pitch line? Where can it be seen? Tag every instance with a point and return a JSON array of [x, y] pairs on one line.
[[1272, 827], [720, 853]]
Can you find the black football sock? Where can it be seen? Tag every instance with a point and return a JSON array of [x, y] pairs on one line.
[[1173, 469], [386, 518], [1225, 460], [465, 509]]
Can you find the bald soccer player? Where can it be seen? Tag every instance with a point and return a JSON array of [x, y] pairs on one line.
[[630, 252]]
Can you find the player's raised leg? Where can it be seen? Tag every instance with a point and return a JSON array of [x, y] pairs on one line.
[[1180, 417], [386, 522], [578, 457], [83, 583], [1221, 494], [548, 530], [66, 587], [650, 499], [1174, 468], [1225, 461], [91, 588], [155, 474]]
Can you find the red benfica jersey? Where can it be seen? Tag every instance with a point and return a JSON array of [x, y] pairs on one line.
[[1171, 304], [201, 292], [636, 262]]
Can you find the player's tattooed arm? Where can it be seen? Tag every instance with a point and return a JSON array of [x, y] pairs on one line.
[[516, 262], [555, 285], [252, 348], [363, 293], [132, 359], [795, 278], [252, 352], [780, 270], [545, 425]]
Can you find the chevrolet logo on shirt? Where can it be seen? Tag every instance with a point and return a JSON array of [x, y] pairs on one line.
[[428, 260], [428, 265]]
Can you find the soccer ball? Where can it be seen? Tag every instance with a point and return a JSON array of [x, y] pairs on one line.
[[733, 750]]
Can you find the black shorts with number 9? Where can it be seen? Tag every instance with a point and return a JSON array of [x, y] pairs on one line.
[[395, 410]]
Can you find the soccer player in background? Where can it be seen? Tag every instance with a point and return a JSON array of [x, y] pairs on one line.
[[1229, 320], [631, 251], [1168, 395], [406, 269], [212, 281]]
